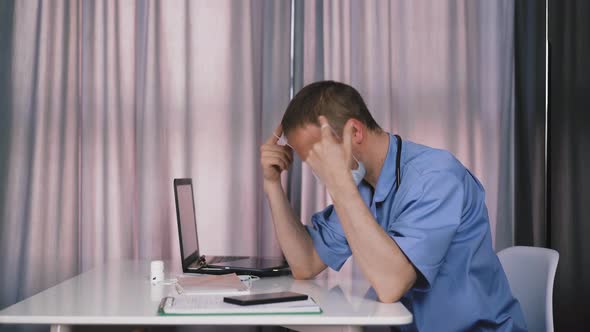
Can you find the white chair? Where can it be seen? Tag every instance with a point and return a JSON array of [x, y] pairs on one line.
[[530, 272]]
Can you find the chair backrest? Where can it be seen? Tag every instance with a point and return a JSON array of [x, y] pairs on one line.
[[530, 272]]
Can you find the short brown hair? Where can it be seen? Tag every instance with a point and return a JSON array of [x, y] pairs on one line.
[[338, 102]]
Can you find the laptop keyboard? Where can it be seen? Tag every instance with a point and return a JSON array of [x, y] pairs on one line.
[[221, 259]]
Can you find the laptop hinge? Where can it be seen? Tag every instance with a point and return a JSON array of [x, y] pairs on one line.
[[201, 262]]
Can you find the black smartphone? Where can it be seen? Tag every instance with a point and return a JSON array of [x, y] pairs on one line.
[[265, 298]]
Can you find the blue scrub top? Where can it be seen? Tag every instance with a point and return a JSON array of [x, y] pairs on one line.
[[439, 219]]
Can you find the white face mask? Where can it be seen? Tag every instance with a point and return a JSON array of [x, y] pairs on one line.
[[358, 174]]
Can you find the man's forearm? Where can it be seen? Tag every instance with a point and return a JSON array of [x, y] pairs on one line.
[[380, 258], [295, 241]]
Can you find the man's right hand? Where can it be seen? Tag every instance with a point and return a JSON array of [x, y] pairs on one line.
[[294, 240], [274, 158]]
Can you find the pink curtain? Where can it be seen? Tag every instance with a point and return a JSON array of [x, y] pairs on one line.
[[111, 100]]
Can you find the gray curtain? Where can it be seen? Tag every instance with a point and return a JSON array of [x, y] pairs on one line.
[[552, 180], [438, 73], [107, 102], [569, 157], [530, 226]]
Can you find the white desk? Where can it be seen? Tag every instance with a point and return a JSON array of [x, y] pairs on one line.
[[120, 293]]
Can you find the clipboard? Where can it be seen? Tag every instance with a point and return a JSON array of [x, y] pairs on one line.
[[214, 305]]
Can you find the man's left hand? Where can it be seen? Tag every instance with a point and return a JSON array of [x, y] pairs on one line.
[[329, 159]]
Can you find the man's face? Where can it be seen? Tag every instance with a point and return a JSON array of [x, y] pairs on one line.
[[302, 139]]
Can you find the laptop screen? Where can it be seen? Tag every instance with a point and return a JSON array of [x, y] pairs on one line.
[[187, 220]]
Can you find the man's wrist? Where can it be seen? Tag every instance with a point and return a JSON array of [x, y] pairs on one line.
[[271, 187], [342, 188]]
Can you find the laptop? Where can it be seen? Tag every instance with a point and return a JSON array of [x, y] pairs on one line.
[[194, 261]]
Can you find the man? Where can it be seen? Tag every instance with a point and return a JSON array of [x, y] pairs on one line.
[[419, 232]]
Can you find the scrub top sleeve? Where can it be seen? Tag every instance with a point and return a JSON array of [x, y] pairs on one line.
[[328, 238], [425, 227]]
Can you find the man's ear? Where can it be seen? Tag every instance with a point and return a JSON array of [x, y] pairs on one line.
[[358, 131]]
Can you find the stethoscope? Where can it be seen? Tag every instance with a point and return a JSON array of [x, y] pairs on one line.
[[398, 157]]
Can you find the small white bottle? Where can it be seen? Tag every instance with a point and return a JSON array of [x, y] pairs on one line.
[[157, 275]]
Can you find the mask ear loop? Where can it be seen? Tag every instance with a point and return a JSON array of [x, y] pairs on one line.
[[358, 163], [282, 140]]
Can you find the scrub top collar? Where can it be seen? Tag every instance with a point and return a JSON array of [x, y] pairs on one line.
[[387, 177]]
